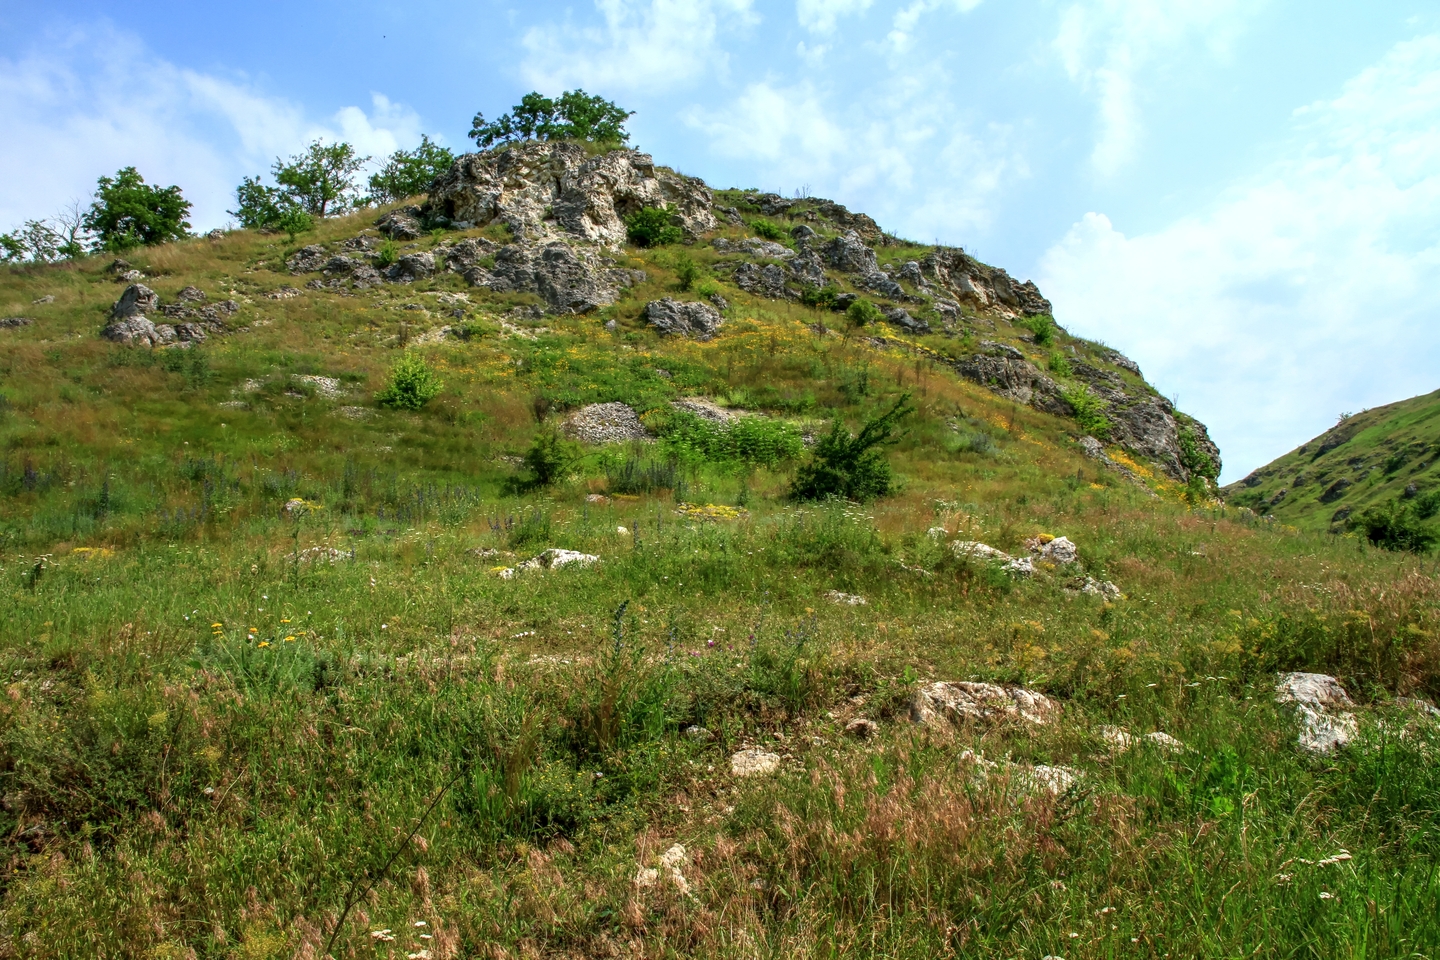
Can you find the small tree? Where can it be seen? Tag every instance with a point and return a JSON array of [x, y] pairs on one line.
[[34, 242], [129, 213], [411, 385], [862, 313], [575, 116], [549, 456], [852, 467], [410, 172], [687, 271], [651, 227], [321, 180]]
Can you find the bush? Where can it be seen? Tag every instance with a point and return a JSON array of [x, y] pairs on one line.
[[387, 254], [1089, 411], [651, 227], [687, 271], [412, 384], [129, 213], [1192, 458], [862, 313], [1394, 526], [852, 467], [1042, 327], [751, 440], [575, 116], [768, 230], [321, 180], [410, 172], [634, 476], [822, 298], [549, 456], [1059, 364]]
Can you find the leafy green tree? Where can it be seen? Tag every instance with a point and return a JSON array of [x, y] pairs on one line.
[[1089, 411], [129, 213], [862, 313], [34, 242], [409, 172], [321, 180], [1394, 526], [261, 207], [852, 467], [549, 456], [575, 116], [411, 385], [651, 227]]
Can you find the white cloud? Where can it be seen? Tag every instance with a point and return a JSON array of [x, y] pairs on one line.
[[1105, 44], [96, 101], [907, 18], [1306, 289], [820, 16], [645, 45]]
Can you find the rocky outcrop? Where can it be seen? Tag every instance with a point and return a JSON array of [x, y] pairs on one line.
[[820, 211], [687, 318], [984, 287], [307, 259], [16, 321], [137, 301], [901, 318], [1016, 379], [402, 224], [541, 188], [848, 253], [754, 247], [939, 704], [412, 267], [766, 281], [605, 423]]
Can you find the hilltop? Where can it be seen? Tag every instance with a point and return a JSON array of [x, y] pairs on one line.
[[455, 579], [1371, 459]]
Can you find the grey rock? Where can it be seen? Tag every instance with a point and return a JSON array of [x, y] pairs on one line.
[[402, 224], [767, 281], [611, 326], [849, 254], [808, 269], [910, 272], [309, 259], [16, 321], [361, 243], [720, 302], [995, 349], [191, 295], [862, 729], [802, 232], [1093, 448], [1323, 708], [468, 253], [136, 301], [1123, 362], [118, 266], [754, 247], [1336, 490], [131, 330], [843, 301], [189, 332], [48, 298], [412, 267], [605, 423], [699, 321], [941, 704], [1018, 380], [882, 284], [567, 278], [901, 318], [530, 186]]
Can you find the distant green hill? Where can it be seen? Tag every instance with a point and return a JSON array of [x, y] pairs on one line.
[[1370, 459]]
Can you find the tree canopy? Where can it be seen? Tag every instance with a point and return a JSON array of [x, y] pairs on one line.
[[408, 172], [576, 115], [321, 180], [129, 213]]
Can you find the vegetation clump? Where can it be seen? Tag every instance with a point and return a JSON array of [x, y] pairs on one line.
[[410, 172], [1395, 526], [852, 466], [411, 384], [1089, 411], [652, 227], [575, 115], [129, 213]]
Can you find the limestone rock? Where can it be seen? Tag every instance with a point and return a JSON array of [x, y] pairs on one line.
[[845, 599], [862, 729], [808, 269], [16, 321], [136, 301], [964, 701], [767, 281], [849, 253], [48, 298], [402, 224], [755, 247], [1015, 379], [132, 330], [1098, 588], [882, 284], [754, 763], [537, 187], [191, 295], [1323, 707], [1020, 567], [307, 259], [901, 318], [605, 423], [976, 550], [1044, 778], [1060, 550], [570, 279], [687, 318], [412, 267]]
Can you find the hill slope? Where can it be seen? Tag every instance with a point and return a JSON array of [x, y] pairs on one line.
[[1370, 459], [292, 672]]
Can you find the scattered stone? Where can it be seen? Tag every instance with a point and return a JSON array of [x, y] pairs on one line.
[[1120, 741], [307, 259], [605, 423], [1060, 550], [327, 387], [802, 232], [191, 295], [901, 318], [16, 321], [48, 298], [845, 599], [1165, 742], [1020, 567], [767, 281], [754, 247], [976, 550], [1052, 780], [136, 301], [1324, 709], [964, 701], [882, 284], [132, 330], [118, 266], [704, 409], [412, 267], [850, 254], [1123, 362], [1098, 588], [862, 729], [687, 318], [699, 733], [131, 276], [720, 302], [401, 224], [754, 763], [597, 498], [284, 293]]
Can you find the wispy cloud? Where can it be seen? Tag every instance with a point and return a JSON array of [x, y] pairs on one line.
[[1306, 289], [821, 16], [1105, 45], [907, 18], [644, 45], [66, 126]]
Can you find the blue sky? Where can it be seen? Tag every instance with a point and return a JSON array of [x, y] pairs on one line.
[[1243, 196]]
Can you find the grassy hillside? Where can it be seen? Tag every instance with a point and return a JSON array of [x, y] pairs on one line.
[[262, 664], [1371, 459]]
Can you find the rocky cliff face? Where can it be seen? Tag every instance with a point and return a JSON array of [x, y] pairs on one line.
[[565, 213]]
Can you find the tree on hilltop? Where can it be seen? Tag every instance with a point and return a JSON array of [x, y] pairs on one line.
[[575, 116], [322, 179], [129, 213], [409, 172]]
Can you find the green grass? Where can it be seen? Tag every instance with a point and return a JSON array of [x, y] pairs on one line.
[[172, 788]]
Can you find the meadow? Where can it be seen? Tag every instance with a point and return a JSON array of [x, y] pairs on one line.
[[268, 694]]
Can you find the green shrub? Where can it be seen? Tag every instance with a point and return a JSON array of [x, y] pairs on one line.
[[1192, 458], [1427, 505], [129, 213], [707, 288], [575, 116], [549, 456], [687, 271], [862, 313], [531, 532], [634, 475], [1042, 327], [768, 230], [411, 385], [822, 298], [1089, 411], [410, 172], [1394, 526], [387, 254], [852, 467], [1059, 364], [294, 221], [651, 227], [751, 440]]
